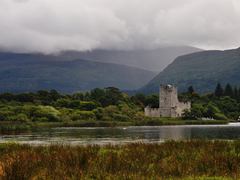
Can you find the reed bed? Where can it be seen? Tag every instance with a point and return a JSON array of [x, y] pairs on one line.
[[170, 160]]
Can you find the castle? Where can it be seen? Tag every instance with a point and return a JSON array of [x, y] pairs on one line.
[[169, 105]]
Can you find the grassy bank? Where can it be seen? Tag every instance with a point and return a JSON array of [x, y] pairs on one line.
[[170, 160], [20, 126]]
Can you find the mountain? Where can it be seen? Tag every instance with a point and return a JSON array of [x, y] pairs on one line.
[[153, 60], [203, 70], [32, 72]]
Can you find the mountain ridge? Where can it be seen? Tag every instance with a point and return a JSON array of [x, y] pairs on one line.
[[32, 72], [203, 70], [151, 59]]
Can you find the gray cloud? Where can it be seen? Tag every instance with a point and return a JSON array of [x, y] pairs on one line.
[[50, 26]]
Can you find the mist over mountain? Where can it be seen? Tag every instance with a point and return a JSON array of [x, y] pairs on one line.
[[32, 72], [151, 59], [203, 70]]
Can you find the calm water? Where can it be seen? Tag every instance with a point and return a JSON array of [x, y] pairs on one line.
[[76, 136]]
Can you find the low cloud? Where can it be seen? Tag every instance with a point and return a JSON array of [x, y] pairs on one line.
[[50, 26]]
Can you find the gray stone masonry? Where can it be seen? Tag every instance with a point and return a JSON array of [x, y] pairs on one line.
[[169, 105]]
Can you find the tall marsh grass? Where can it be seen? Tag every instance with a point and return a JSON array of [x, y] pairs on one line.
[[169, 160]]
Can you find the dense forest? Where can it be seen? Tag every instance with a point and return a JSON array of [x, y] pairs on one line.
[[224, 103], [112, 105]]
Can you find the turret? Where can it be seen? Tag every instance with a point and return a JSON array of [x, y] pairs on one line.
[[168, 97]]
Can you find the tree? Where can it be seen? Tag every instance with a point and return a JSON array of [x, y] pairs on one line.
[[190, 90], [219, 90], [152, 101], [235, 93], [87, 96], [63, 102], [78, 96], [228, 91], [113, 96], [25, 97], [139, 99], [54, 95], [88, 105], [196, 112], [211, 110], [7, 97], [238, 95], [98, 95]]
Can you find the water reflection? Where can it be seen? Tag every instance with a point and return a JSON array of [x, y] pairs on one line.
[[175, 133], [124, 135]]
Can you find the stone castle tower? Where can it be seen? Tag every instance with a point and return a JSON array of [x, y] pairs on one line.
[[169, 105]]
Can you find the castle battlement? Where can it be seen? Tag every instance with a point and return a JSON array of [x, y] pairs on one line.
[[169, 105]]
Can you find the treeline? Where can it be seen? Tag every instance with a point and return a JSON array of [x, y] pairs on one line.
[[101, 97], [223, 103], [233, 92], [108, 104]]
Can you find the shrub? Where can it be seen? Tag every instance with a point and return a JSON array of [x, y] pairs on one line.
[[48, 112], [76, 104], [5, 114], [20, 117], [220, 116], [98, 113], [88, 106], [40, 119], [120, 117], [62, 102], [83, 115]]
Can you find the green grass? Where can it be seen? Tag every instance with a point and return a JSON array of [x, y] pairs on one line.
[[187, 160], [21, 127], [173, 121]]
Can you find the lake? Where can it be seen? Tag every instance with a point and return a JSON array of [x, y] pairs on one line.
[[122, 135]]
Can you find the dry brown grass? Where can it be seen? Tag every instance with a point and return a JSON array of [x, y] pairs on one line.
[[133, 161]]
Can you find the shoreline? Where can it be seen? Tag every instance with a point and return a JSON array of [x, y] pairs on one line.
[[13, 126]]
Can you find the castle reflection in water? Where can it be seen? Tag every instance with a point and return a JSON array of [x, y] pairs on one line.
[[168, 133]]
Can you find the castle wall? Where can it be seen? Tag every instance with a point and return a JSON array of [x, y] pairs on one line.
[[165, 112], [169, 105], [183, 106], [152, 112]]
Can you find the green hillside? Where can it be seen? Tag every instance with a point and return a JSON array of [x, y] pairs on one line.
[[203, 70], [32, 72]]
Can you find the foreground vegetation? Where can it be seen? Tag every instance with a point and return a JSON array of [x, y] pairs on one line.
[[169, 160], [110, 107]]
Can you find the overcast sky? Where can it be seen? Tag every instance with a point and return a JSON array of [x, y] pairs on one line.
[[50, 26]]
